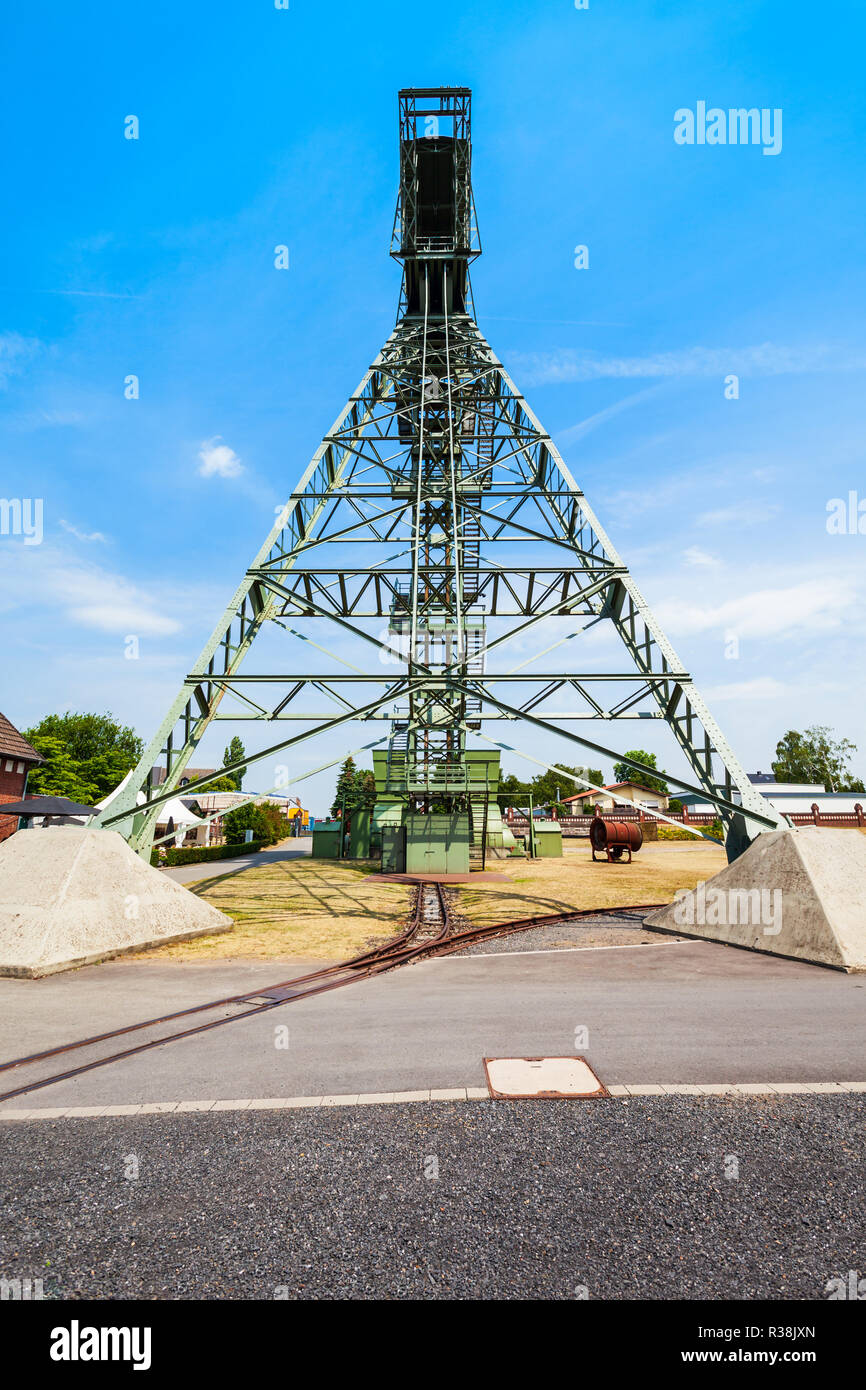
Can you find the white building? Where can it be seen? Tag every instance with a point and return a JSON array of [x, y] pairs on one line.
[[790, 797], [624, 794]]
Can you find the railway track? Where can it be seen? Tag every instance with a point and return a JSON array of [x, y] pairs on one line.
[[432, 931]]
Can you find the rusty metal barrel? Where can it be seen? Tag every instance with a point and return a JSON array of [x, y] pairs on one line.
[[614, 837]]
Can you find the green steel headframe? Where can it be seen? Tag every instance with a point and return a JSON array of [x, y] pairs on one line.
[[435, 526]]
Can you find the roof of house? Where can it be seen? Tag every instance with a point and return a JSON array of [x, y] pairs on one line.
[[218, 801], [225, 801], [189, 774], [613, 787], [15, 745]]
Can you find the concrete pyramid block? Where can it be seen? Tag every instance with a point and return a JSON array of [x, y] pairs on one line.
[[798, 893], [71, 895]]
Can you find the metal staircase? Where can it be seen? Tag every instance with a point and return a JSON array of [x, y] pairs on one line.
[[478, 830], [396, 771]]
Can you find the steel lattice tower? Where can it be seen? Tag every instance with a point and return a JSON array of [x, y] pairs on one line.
[[438, 504]]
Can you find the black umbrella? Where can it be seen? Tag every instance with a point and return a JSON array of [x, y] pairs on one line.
[[46, 806]]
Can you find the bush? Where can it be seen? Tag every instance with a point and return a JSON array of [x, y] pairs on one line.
[[266, 821], [201, 854], [277, 825], [237, 822], [673, 832]]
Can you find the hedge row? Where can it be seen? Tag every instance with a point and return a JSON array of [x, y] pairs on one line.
[[672, 832], [200, 854]]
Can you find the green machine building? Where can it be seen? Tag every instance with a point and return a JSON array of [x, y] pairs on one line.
[[438, 818], [428, 819]]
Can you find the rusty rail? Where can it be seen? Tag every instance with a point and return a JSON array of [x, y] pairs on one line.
[[432, 932]]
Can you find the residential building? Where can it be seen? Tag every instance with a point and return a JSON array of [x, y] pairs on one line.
[[17, 759], [626, 795], [789, 797], [189, 774]]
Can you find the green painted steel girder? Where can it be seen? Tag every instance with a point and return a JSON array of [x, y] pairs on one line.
[[438, 504]]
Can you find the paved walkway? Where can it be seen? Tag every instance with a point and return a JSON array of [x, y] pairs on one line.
[[194, 873]]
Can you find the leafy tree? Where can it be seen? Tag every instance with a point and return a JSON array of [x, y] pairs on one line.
[[550, 788], [365, 788], [88, 735], [245, 817], [86, 755], [233, 754], [105, 771], [544, 787], [266, 821], [623, 773], [60, 774], [275, 822], [816, 756], [512, 792]]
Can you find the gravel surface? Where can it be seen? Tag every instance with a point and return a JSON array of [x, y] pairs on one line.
[[534, 1199], [607, 929]]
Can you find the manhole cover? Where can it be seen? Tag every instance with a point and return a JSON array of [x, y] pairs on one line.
[[512, 1078]]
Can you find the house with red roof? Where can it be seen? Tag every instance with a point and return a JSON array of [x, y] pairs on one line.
[[619, 794], [17, 759]]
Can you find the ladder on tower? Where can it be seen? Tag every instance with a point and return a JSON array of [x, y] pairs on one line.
[[478, 805], [475, 638], [398, 753], [470, 532]]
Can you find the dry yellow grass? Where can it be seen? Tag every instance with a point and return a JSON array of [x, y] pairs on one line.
[[326, 910], [316, 908], [538, 886]]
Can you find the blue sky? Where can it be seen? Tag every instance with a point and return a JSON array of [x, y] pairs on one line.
[[260, 127]]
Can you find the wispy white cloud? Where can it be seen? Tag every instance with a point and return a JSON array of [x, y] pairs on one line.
[[817, 604], [695, 556], [60, 418], [761, 688], [94, 294], [218, 460], [592, 422], [85, 594], [15, 353], [82, 535], [768, 688], [741, 514], [764, 359]]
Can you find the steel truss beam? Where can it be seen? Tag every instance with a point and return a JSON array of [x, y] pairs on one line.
[[436, 503]]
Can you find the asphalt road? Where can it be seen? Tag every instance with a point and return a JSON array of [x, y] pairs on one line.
[[666, 1012], [641, 1199]]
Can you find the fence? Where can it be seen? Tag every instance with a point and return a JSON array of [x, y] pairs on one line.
[[579, 825]]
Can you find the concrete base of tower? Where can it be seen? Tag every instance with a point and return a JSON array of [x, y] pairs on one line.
[[70, 896], [797, 893]]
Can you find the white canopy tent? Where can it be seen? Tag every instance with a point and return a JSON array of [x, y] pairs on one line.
[[180, 816], [175, 813]]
